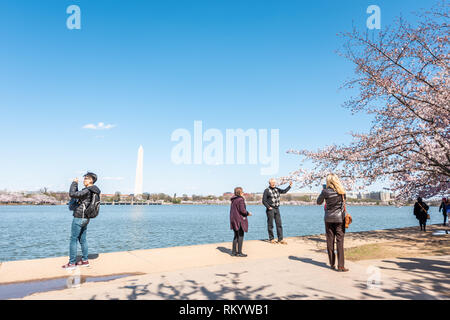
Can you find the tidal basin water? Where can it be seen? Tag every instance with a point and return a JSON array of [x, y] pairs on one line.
[[31, 232]]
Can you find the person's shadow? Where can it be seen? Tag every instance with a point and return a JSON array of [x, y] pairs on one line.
[[310, 261], [91, 256], [224, 250]]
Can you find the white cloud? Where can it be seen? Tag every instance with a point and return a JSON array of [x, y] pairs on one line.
[[99, 126]]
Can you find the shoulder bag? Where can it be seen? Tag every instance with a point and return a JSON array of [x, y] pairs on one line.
[[347, 217]]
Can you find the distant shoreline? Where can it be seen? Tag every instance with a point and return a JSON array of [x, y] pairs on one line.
[[299, 199], [367, 204]]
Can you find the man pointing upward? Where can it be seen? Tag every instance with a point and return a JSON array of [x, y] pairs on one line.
[[271, 200]]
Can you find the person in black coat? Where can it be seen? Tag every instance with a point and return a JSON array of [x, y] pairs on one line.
[[334, 196], [421, 213], [445, 206], [80, 220]]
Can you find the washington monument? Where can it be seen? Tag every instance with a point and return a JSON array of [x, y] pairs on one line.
[[139, 173]]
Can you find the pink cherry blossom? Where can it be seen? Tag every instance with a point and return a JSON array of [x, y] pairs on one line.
[[402, 74]]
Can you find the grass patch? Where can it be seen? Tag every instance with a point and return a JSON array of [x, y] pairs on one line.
[[398, 249], [367, 251]]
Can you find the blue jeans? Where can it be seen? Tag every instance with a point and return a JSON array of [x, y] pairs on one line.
[[79, 230]]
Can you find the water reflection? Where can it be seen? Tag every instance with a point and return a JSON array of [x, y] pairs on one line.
[[22, 289], [137, 213], [136, 229]]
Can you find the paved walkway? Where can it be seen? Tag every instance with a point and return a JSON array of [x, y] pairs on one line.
[[286, 277]]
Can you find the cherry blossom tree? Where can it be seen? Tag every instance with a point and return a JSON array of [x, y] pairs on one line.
[[402, 76]]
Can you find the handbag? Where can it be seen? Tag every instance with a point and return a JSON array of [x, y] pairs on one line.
[[347, 217], [428, 215]]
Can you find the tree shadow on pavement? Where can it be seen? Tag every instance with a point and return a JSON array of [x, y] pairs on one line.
[[228, 286], [431, 279]]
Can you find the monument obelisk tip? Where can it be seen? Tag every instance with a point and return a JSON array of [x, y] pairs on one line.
[[138, 185]]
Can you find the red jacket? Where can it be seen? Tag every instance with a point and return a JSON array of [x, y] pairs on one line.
[[238, 214]]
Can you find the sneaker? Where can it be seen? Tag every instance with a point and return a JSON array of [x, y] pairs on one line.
[[342, 269], [282, 242], [273, 241], [241, 255], [69, 266], [83, 263]]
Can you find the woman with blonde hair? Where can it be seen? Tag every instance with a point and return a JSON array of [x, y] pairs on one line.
[[334, 195]]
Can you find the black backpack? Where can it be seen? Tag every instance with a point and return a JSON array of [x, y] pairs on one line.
[[94, 207]]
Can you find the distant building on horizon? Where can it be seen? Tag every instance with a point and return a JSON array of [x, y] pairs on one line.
[[374, 195]]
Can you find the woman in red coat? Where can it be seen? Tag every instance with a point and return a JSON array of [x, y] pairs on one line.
[[238, 221]]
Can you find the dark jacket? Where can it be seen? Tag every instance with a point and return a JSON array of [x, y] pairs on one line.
[[419, 212], [267, 199], [238, 214], [334, 205], [444, 207], [84, 197]]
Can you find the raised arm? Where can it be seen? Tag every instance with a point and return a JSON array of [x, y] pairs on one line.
[[321, 198], [74, 193], [282, 191]]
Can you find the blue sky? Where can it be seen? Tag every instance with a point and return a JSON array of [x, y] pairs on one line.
[[150, 67]]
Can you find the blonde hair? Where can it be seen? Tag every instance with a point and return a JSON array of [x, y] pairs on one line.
[[334, 183], [238, 191]]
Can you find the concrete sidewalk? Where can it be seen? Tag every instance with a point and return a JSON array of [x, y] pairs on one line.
[[285, 277], [147, 261]]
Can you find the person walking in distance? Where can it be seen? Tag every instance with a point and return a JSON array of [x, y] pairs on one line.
[[271, 200], [238, 221], [445, 207], [334, 194], [421, 213]]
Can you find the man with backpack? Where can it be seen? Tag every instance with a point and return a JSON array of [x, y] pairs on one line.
[[85, 205]]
